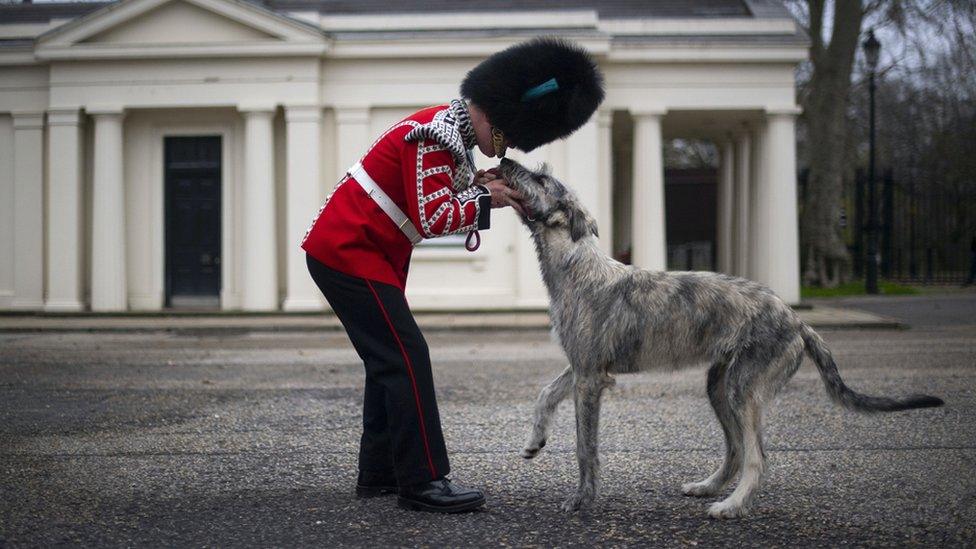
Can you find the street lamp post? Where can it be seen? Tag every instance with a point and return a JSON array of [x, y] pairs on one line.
[[872, 49]]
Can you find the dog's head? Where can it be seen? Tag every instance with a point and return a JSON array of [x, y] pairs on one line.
[[547, 201]]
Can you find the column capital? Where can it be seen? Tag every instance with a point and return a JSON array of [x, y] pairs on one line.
[[789, 110], [24, 120], [100, 110], [352, 114], [64, 116], [303, 113], [648, 112], [256, 108]]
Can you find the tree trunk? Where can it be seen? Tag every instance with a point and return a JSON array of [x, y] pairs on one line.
[[825, 111]]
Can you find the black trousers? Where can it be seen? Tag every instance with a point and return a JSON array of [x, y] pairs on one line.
[[401, 427]]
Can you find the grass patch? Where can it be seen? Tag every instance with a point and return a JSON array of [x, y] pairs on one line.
[[856, 288]]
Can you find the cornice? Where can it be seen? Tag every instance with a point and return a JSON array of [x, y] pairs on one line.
[[157, 51]]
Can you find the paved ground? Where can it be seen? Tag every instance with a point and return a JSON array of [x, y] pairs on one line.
[[823, 315], [167, 439], [919, 310]]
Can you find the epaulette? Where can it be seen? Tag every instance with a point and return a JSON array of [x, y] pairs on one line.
[[445, 130]]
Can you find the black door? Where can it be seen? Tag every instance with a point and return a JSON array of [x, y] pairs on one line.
[[192, 178]]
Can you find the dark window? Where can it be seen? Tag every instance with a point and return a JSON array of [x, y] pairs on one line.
[[192, 179]]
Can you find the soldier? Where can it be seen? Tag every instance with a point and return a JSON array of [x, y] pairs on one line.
[[418, 181]]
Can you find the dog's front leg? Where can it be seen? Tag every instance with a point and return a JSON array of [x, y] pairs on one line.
[[545, 408], [587, 398]]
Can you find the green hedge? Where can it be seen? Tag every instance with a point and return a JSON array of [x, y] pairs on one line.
[[856, 288]]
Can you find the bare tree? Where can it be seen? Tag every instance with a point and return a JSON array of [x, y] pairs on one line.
[[927, 135], [690, 153], [926, 94], [825, 99]]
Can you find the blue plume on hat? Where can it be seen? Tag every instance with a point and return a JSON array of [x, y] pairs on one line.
[[536, 91]]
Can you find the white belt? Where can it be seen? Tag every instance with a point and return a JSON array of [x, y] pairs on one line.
[[385, 203]]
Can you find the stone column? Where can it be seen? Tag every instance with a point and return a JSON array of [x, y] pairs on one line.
[[583, 168], [726, 198], [302, 201], [352, 137], [530, 290], [757, 260], [604, 213], [260, 276], [108, 276], [743, 184], [64, 212], [28, 205], [778, 237], [649, 238]]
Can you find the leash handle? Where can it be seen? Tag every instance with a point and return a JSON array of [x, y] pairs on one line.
[[477, 241]]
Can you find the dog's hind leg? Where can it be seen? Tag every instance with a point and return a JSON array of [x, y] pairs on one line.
[[545, 408], [753, 464], [587, 397], [733, 436], [751, 384]]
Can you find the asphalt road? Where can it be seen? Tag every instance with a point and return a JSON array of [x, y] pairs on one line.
[[958, 308], [249, 440]]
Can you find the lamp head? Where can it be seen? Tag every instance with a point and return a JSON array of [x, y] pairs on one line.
[[872, 50]]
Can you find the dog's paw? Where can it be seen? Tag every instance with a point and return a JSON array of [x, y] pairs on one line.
[[727, 510], [698, 489], [572, 504], [576, 502], [532, 450]]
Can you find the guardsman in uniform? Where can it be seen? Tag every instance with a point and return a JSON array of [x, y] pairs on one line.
[[418, 181]]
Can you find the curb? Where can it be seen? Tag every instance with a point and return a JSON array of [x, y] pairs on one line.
[[886, 324], [229, 325], [237, 330]]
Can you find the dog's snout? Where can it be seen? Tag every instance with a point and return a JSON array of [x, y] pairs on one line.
[[508, 169]]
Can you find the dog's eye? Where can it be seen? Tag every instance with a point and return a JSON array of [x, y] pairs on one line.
[[540, 180]]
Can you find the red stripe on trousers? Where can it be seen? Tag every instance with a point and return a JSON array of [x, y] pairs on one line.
[[413, 381]]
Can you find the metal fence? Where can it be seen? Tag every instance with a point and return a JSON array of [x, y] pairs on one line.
[[925, 230]]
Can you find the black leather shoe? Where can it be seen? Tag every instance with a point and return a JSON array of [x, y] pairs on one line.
[[371, 485], [440, 496]]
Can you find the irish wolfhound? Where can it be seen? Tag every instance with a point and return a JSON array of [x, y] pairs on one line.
[[613, 318]]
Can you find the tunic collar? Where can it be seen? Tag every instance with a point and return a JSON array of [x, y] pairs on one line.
[[460, 110]]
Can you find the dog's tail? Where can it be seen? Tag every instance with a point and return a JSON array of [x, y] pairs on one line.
[[842, 394]]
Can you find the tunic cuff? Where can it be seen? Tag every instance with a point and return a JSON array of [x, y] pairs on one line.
[[484, 211]]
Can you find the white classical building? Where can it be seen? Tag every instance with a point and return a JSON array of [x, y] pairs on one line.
[[171, 153]]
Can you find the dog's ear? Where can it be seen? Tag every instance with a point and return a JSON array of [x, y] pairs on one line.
[[557, 218], [581, 224]]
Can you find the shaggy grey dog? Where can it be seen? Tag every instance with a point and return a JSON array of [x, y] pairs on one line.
[[612, 318]]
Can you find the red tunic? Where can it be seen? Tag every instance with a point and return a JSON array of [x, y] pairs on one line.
[[427, 175]]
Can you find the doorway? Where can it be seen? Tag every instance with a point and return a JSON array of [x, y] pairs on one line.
[[192, 177]]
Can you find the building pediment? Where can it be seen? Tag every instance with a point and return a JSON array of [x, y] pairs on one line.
[[179, 22], [180, 28]]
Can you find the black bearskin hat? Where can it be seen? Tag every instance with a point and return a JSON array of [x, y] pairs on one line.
[[537, 91]]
